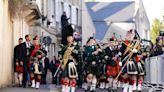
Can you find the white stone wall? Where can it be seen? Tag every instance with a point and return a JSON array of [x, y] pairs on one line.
[[11, 29], [1, 14], [6, 45]]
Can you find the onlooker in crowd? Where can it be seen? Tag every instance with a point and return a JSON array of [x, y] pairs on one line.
[[18, 67], [158, 47], [64, 20], [54, 64], [45, 64], [25, 55]]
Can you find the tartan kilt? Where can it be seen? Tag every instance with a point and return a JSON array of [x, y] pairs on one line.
[[65, 72], [93, 69], [19, 69], [112, 71]]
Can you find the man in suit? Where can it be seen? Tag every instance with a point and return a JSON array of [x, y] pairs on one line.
[[25, 55], [45, 64], [64, 20], [54, 64], [17, 65]]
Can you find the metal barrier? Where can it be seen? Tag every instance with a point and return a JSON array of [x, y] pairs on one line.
[[154, 78]]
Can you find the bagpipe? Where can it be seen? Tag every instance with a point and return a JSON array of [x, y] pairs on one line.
[[34, 63]]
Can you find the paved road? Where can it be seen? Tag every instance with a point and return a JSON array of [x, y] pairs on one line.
[[43, 88], [49, 88]]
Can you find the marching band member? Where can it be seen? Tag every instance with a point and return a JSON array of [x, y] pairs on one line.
[[139, 61], [130, 51], [91, 67], [37, 70], [69, 54], [36, 67], [102, 68], [113, 67]]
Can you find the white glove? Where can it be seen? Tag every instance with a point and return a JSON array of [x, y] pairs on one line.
[[106, 57], [75, 51], [120, 63], [120, 53], [134, 50]]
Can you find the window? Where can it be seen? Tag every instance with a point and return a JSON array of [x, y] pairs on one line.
[[77, 17], [62, 7], [70, 13]]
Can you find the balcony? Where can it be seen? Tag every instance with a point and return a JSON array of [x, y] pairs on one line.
[[31, 10]]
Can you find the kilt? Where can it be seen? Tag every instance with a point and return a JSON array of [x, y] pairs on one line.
[[65, 72], [102, 78], [126, 68], [134, 68], [19, 69], [92, 68], [139, 70], [112, 71]]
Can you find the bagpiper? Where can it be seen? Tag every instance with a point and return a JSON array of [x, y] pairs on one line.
[[102, 66], [131, 66], [69, 60], [35, 64], [91, 52], [112, 68]]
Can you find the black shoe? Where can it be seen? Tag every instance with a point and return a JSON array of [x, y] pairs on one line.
[[110, 90], [43, 82], [92, 91], [24, 86], [20, 85]]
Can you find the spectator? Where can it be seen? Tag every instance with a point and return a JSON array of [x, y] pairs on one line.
[[54, 64], [158, 47], [25, 55], [64, 20], [45, 64], [18, 68]]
